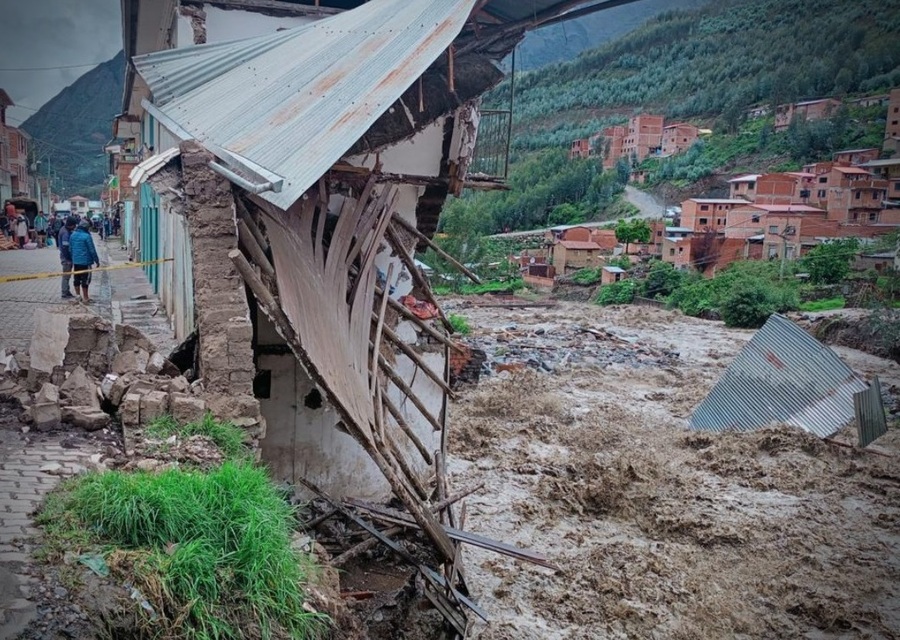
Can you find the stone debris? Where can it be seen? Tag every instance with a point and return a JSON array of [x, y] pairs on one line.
[[79, 390], [87, 418], [133, 361]]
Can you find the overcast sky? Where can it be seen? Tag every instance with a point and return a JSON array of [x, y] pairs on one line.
[[53, 34]]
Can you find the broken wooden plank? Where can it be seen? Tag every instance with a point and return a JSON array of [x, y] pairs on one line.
[[394, 517], [379, 327], [244, 214], [360, 548], [404, 426]]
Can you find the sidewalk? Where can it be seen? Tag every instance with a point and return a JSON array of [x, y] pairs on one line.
[[33, 464]]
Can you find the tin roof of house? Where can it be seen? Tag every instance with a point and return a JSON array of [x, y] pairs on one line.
[[886, 162], [787, 208], [750, 177], [837, 153], [809, 102], [718, 200], [292, 122], [579, 244], [614, 269], [678, 230]]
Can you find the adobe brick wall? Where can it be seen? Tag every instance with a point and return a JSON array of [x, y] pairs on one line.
[[465, 365], [220, 302]]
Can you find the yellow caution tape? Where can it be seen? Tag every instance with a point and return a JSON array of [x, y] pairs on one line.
[[41, 276]]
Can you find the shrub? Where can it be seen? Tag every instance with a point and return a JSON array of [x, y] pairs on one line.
[[460, 324], [749, 305], [587, 276], [211, 552], [617, 293], [662, 279]]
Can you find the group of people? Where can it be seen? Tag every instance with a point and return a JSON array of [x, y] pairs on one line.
[[17, 226]]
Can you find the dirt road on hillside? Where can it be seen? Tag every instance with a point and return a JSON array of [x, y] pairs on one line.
[[650, 208], [660, 532]]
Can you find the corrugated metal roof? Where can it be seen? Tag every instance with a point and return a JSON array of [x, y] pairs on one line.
[[783, 375], [151, 165], [871, 421], [295, 101]]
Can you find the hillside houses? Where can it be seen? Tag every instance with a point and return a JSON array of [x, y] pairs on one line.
[[644, 136]]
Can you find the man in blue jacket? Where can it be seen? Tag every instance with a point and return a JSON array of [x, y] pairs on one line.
[[84, 255], [65, 255]]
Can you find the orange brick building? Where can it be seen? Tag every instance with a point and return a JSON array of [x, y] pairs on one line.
[[743, 187], [856, 156], [678, 137], [892, 128], [811, 110], [701, 214], [644, 137]]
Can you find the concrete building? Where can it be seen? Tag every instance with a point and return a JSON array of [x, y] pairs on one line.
[[677, 138], [18, 161], [6, 171], [79, 205]]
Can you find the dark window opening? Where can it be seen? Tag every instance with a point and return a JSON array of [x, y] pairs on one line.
[[755, 218], [703, 220], [262, 385], [313, 400]]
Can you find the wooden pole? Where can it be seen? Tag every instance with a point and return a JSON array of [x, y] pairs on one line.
[[244, 214], [418, 278], [379, 326], [400, 308], [404, 426], [417, 359], [401, 384], [446, 256], [253, 248], [452, 73]]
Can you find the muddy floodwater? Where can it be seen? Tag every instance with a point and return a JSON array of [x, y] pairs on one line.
[[660, 532]]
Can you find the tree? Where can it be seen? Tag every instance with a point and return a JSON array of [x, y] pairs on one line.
[[749, 304], [829, 262], [662, 279], [629, 231]]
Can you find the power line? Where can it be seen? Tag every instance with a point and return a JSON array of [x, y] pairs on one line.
[[70, 66]]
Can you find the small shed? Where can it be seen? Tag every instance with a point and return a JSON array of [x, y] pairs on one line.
[[609, 275]]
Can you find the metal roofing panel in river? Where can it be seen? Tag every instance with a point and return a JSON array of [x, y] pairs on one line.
[[295, 101], [782, 375]]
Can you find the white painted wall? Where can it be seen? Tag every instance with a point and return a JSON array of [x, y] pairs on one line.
[[223, 25]]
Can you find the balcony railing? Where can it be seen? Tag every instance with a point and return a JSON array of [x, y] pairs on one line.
[[491, 159]]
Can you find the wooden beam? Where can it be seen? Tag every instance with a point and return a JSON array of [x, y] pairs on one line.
[[401, 384], [244, 215], [446, 256], [256, 252], [404, 426], [410, 353], [400, 308], [379, 326], [419, 280]]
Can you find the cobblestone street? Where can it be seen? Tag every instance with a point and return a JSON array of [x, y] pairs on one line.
[[32, 464]]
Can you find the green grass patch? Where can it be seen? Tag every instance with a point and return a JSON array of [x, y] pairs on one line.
[[472, 289], [210, 552], [823, 305], [230, 439], [460, 324]]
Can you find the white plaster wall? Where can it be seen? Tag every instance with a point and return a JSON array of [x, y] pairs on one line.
[[223, 25]]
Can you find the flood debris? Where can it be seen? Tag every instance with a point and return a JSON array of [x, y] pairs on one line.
[[785, 376]]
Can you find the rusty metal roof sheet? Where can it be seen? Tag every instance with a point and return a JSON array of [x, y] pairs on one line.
[[783, 375], [295, 101], [871, 420]]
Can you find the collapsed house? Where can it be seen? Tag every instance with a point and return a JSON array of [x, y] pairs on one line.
[[294, 156]]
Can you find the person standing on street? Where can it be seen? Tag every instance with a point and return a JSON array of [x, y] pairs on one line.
[[22, 231], [65, 256], [40, 229], [9, 212], [84, 256]]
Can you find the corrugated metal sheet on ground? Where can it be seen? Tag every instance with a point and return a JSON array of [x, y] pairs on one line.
[[295, 101], [782, 375], [871, 421]]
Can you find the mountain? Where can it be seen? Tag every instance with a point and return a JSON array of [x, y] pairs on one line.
[[710, 62], [565, 40], [72, 128]]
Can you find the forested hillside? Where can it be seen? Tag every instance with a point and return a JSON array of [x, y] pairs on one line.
[[72, 128], [713, 62]]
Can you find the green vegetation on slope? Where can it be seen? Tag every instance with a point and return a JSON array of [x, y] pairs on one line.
[[717, 61], [72, 128]]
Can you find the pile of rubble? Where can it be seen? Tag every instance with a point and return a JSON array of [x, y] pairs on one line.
[[559, 346], [81, 372]]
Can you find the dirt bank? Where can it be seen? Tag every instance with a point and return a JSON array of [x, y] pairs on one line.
[[660, 532]]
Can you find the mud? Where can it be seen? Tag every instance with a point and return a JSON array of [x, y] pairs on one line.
[[660, 532]]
